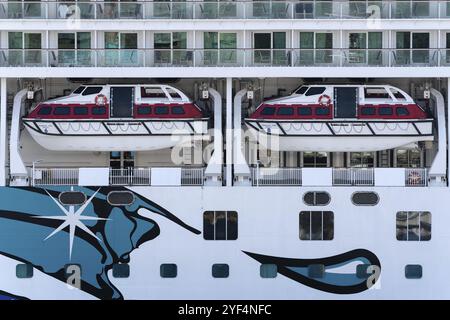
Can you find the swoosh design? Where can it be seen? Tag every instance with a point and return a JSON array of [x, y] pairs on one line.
[[332, 282]]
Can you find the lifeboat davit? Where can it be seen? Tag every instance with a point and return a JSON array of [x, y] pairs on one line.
[[340, 118], [117, 118]]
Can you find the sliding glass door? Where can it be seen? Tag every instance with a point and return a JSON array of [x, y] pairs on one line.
[[220, 48], [315, 48], [363, 48], [121, 48], [24, 48], [171, 48], [412, 47], [270, 48], [74, 49]]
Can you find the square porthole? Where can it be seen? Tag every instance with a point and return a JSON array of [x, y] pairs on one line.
[[24, 271], [268, 270], [121, 270], [316, 271], [413, 271], [168, 270], [220, 270]]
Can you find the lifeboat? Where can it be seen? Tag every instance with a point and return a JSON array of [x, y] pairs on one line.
[[116, 118], [341, 118]]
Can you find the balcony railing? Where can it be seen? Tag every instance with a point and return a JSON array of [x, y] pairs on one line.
[[276, 176], [353, 177], [224, 57], [117, 177], [85, 9]]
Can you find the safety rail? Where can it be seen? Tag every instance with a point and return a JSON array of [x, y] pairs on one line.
[[126, 176], [276, 176], [353, 177], [231, 9], [154, 58], [416, 177]]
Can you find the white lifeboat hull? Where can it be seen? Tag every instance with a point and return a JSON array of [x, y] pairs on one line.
[[115, 135], [339, 136]]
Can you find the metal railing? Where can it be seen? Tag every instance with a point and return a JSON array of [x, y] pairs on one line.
[[416, 177], [338, 9], [276, 176], [117, 177], [57, 58], [353, 177]]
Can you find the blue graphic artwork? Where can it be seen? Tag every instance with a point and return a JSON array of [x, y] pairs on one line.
[[35, 228]]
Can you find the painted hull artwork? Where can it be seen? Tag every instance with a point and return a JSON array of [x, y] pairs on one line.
[[332, 281], [102, 236]]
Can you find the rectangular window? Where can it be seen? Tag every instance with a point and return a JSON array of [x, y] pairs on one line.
[[413, 226], [316, 225], [220, 225]]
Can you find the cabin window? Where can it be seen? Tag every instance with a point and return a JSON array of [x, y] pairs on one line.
[[368, 111], [78, 90], [44, 111], [155, 93], [413, 271], [315, 159], [304, 111], [161, 110], [120, 198], [409, 158], [178, 110], [220, 225], [92, 90], [268, 111], [61, 111], [316, 271], [316, 198], [173, 94], [385, 111], [316, 225], [315, 91], [72, 198], [168, 270], [302, 90], [413, 226], [268, 270], [397, 94], [402, 111], [365, 198], [121, 270], [376, 93], [220, 270], [80, 111], [322, 111], [285, 111], [98, 111], [144, 110], [24, 271]]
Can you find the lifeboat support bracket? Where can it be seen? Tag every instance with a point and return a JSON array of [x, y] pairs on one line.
[[438, 169], [241, 169]]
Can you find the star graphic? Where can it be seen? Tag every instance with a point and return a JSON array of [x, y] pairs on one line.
[[73, 219]]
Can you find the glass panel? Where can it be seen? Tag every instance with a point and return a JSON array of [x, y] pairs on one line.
[[316, 225], [357, 8], [208, 225], [179, 41], [420, 9], [306, 10], [112, 42], [306, 54], [402, 226], [162, 9], [375, 42], [220, 225], [420, 41], [413, 226], [261, 9], [15, 41], [328, 225], [402, 9], [232, 225], [128, 42], [425, 226], [361, 159], [32, 9], [33, 41], [305, 225], [262, 45], [84, 42], [210, 41], [66, 46], [324, 9], [130, 9], [358, 41], [228, 44], [162, 44], [324, 41], [403, 41], [279, 42]]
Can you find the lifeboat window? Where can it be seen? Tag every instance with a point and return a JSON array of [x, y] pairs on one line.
[[304, 111], [162, 110], [285, 111], [44, 111], [152, 93], [316, 198], [120, 198], [220, 270], [385, 111], [302, 90], [72, 198], [365, 198], [173, 94], [178, 110], [80, 111], [315, 91], [402, 111], [413, 226], [368, 111], [268, 111], [316, 225], [397, 94], [145, 110], [98, 111], [78, 90], [61, 111], [376, 93], [322, 111], [92, 90]]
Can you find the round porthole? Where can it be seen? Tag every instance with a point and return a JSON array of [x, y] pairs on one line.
[[120, 198], [365, 198], [316, 198], [72, 198]]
